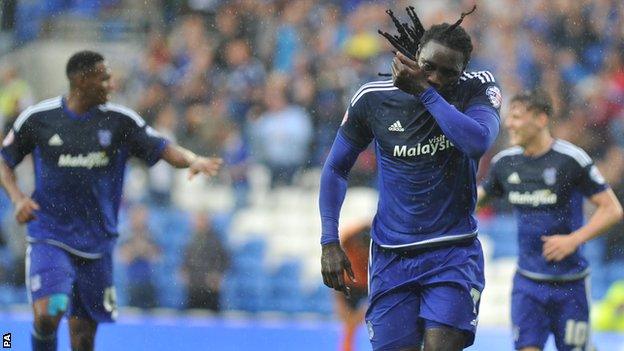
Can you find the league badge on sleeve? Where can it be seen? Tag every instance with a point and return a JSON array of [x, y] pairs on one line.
[[495, 96], [104, 137]]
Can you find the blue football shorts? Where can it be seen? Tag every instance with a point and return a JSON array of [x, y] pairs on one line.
[[88, 283], [539, 308], [412, 291]]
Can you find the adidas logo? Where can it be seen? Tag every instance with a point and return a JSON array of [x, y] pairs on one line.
[[396, 127], [55, 140], [513, 178]]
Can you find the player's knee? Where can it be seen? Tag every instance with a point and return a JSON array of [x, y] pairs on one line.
[[48, 313], [45, 325], [54, 306]]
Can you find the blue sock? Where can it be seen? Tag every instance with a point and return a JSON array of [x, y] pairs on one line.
[[43, 342]]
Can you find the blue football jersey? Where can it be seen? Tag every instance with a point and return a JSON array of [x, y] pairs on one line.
[[546, 193], [427, 186], [79, 164]]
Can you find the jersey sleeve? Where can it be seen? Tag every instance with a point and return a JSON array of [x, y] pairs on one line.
[[590, 181], [145, 142], [19, 142], [492, 185], [483, 90], [355, 125]]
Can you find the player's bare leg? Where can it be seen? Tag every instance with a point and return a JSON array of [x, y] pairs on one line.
[[530, 348], [48, 312], [82, 333], [444, 339]]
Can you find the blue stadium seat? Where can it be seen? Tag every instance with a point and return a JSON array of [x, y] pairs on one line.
[[320, 300], [502, 230], [286, 288]]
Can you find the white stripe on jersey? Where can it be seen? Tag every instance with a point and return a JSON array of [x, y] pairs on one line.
[[372, 84], [124, 111], [372, 89], [44, 105], [573, 151], [483, 76], [516, 150]]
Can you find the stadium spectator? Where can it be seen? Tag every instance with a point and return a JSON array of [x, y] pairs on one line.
[[82, 143], [545, 179], [15, 96], [282, 134], [205, 263], [139, 253], [424, 252]]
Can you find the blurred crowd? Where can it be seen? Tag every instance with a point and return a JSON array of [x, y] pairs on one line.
[[267, 81]]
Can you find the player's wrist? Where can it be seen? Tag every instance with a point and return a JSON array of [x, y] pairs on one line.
[[330, 244], [17, 197], [577, 238]]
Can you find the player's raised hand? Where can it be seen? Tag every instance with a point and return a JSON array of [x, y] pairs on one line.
[[25, 210], [558, 247], [407, 75], [334, 263], [205, 165]]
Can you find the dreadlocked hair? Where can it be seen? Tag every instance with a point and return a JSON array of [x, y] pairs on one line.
[[410, 37]]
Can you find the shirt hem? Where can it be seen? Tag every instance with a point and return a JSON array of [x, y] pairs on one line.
[[71, 250]]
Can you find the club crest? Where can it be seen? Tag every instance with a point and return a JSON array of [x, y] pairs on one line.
[[104, 137], [550, 176]]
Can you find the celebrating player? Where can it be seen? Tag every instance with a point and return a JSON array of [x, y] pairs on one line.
[[545, 179], [430, 125], [80, 145]]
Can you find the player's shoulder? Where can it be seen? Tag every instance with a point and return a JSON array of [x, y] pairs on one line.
[[507, 154], [572, 152], [476, 83], [477, 78], [122, 112], [38, 109], [372, 89]]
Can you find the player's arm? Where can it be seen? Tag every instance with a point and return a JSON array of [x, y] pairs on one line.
[[352, 138], [473, 132], [179, 157], [18, 143], [24, 205], [491, 186], [482, 197], [334, 261], [608, 212], [150, 146]]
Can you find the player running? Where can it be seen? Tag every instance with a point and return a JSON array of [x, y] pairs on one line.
[[545, 179], [80, 145]]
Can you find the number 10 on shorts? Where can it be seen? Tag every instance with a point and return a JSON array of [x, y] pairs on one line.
[[575, 332]]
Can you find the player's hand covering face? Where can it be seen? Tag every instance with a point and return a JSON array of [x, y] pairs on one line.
[[205, 165], [438, 66], [334, 263]]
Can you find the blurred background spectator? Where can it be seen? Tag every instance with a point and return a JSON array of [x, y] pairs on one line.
[[205, 263], [139, 253]]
